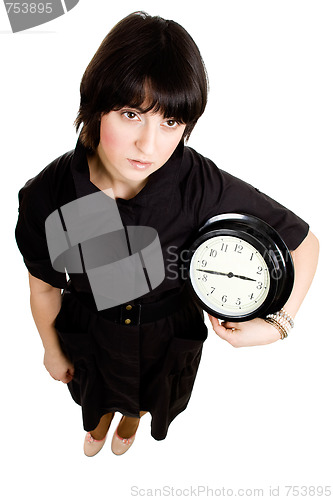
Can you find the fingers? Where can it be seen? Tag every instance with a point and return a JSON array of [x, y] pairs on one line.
[[68, 376], [231, 326], [214, 321], [219, 329], [226, 330], [226, 325], [65, 378]]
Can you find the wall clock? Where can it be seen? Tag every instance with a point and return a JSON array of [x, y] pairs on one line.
[[239, 268]]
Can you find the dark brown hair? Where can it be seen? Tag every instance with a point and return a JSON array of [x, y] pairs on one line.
[[142, 58]]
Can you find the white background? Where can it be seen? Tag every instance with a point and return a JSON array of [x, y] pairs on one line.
[[259, 417]]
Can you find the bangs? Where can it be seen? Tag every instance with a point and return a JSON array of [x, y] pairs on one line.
[[178, 102]]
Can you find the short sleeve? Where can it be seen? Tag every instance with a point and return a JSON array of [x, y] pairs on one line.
[[212, 191], [30, 235]]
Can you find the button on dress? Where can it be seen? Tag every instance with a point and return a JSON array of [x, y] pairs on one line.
[[131, 366]]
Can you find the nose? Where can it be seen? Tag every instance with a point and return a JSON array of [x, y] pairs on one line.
[[146, 139]]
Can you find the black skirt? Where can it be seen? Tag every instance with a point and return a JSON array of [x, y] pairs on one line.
[[149, 367]]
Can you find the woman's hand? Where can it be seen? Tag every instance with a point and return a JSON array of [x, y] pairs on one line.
[[248, 333], [58, 366]]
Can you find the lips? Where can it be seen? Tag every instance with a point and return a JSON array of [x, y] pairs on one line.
[[140, 165]]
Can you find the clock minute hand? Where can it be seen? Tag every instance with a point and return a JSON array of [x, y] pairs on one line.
[[213, 272], [230, 275]]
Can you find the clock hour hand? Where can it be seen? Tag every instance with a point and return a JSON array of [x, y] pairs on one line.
[[230, 275], [243, 277]]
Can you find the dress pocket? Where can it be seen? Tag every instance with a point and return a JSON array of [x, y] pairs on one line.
[[73, 330], [184, 358], [184, 354]]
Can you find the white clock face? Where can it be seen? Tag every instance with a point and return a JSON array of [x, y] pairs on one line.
[[229, 275]]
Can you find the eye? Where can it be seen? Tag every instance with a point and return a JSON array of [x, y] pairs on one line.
[[130, 115], [171, 123]]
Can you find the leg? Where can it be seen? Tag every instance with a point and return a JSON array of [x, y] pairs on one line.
[[129, 425], [100, 431]]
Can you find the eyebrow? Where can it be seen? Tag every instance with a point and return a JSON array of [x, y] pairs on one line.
[[139, 110]]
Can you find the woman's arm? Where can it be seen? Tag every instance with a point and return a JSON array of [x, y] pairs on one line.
[[257, 331], [45, 302]]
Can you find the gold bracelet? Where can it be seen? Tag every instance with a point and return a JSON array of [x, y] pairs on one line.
[[282, 321], [283, 332]]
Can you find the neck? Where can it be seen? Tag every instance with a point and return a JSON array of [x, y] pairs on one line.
[[115, 187]]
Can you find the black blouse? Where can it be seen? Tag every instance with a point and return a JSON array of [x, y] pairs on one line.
[[177, 199]]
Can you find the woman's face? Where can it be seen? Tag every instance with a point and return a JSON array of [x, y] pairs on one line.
[[135, 144]]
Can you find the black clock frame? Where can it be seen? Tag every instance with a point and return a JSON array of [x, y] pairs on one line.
[[271, 246]]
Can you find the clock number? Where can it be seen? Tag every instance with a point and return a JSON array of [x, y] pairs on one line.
[[251, 296], [251, 256], [259, 286], [224, 299], [213, 290], [238, 302], [238, 248], [204, 263], [224, 247], [259, 270], [204, 278], [213, 253]]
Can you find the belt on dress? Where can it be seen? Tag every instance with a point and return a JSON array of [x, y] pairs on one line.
[[133, 313]]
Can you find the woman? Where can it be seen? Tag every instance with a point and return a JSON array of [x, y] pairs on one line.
[[141, 96]]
